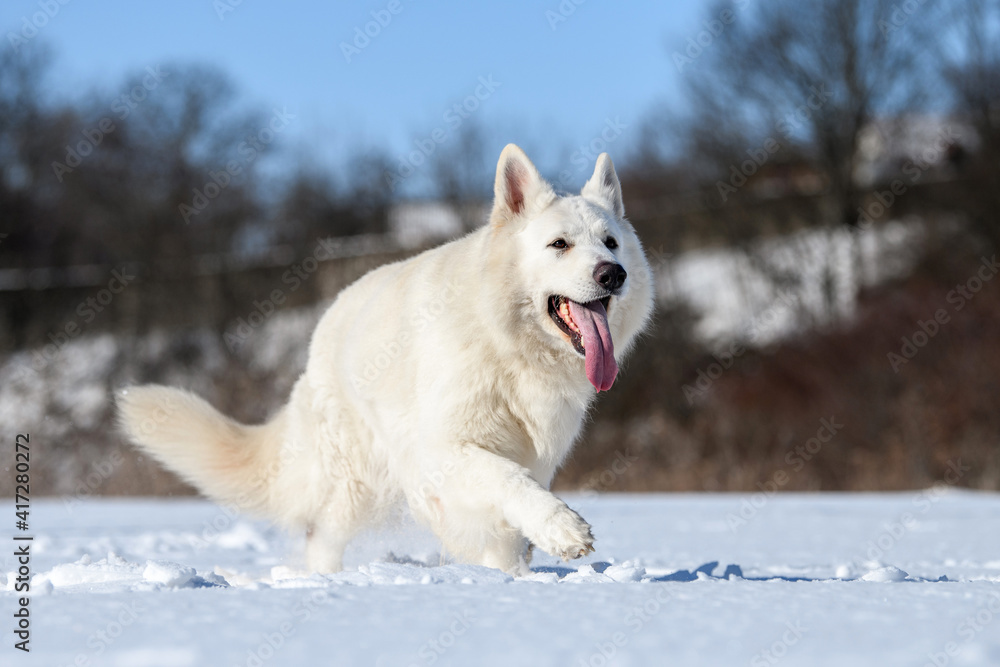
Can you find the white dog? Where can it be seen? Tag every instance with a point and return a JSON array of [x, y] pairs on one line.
[[456, 381]]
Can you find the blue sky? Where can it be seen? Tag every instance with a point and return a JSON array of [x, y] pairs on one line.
[[557, 85]]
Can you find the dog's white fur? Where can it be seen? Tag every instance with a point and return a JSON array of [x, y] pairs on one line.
[[440, 381]]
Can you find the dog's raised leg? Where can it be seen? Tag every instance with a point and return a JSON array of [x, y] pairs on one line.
[[524, 504]]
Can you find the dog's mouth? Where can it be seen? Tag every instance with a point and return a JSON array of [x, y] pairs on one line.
[[586, 327], [559, 311]]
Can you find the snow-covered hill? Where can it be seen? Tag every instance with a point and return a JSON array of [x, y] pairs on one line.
[[898, 579]]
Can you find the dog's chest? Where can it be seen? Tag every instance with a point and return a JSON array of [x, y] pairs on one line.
[[551, 424]]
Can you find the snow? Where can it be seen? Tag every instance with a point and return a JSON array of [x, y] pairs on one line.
[[167, 573], [886, 574], [795, 579], [737, 300]]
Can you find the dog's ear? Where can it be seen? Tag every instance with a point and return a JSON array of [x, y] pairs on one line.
[[519, 189], [603, 187]]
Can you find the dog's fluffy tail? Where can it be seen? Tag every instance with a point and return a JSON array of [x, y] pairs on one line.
[[227, 461]]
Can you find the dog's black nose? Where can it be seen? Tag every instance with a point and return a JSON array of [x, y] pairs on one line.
[[610, 276]]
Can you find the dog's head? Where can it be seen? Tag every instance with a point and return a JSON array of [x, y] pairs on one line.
[[577, 263]]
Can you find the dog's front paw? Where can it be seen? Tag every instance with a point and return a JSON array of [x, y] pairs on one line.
[[565, 534]]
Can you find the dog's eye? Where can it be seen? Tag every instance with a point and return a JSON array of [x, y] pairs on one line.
[[610, 243], [559, 244]]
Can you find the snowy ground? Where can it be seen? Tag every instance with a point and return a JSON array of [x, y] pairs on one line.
[[888, 579]]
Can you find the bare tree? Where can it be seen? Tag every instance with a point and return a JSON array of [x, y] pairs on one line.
[[315, 204], [785, 90], [365, 191], [462, 173], [970, 69], [29, 132]]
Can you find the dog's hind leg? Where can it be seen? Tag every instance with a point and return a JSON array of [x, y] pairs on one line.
[[505, 551], [346, 511], [325, 548]]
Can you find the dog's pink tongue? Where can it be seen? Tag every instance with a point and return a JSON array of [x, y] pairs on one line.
[[602, 369]]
